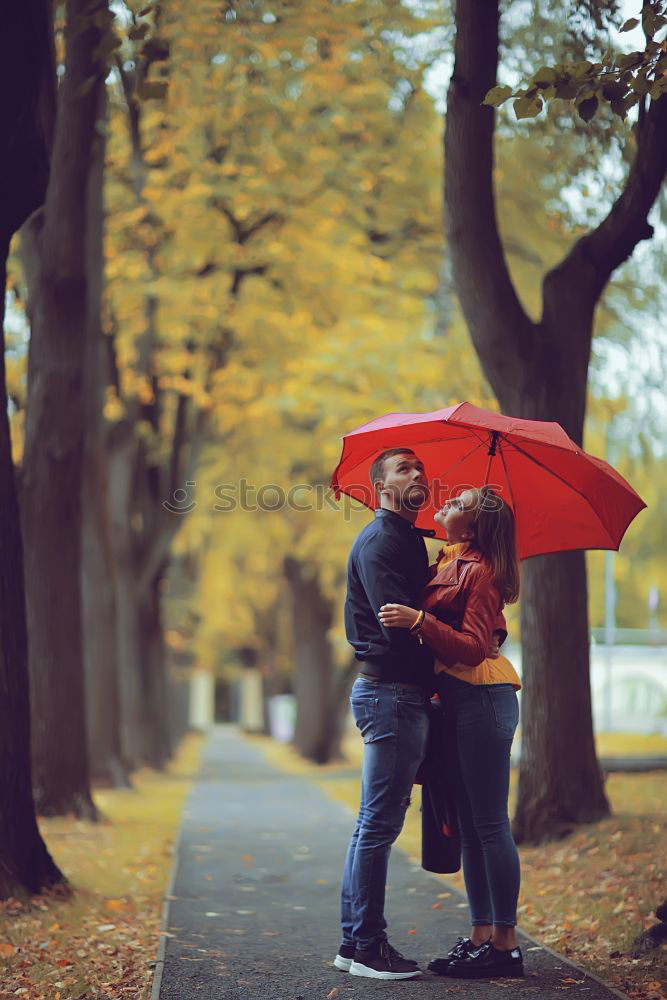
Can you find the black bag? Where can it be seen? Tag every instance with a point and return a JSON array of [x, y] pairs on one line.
[[441, 840]]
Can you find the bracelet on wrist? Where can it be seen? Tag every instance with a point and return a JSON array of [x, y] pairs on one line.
[[419, 621]]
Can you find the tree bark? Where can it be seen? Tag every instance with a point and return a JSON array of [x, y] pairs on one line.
[[52, 473], [539, 371], [318, 725], [26, 82], [123, 457], [157, 748], [98, 569], [26, 867]]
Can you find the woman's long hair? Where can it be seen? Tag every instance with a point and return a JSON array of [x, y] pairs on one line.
[[495, 537]]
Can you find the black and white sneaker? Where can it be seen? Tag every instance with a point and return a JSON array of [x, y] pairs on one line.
[[486, 962], [343, 959], [461, 949], [383, 962]]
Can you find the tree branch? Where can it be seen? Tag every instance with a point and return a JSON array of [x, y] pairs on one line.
[[498, 324], [582, 276], [627, 224], [243, 233]]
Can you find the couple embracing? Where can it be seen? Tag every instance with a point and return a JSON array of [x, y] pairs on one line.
[[420, 631]]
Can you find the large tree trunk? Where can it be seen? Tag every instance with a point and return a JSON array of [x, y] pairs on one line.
[[26, 74], [98, 570], [318, 727], [53, 462], [26, 867], [560, 782], [539, 370]]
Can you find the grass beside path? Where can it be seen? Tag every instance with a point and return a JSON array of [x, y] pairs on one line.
[[587, 896], [102, 941]]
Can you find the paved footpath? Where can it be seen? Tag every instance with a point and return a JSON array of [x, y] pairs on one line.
[[253, 907]]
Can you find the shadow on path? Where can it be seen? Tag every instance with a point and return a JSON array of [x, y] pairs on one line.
[[253, 908]]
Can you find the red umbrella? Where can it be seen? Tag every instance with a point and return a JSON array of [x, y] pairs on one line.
[[562, 498]]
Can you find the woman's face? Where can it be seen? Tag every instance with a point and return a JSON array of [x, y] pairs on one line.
[[457, 516]]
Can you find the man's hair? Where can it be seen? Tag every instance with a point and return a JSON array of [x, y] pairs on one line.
[[377, 468]]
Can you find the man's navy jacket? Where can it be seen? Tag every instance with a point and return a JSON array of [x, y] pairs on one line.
[[388, 564]]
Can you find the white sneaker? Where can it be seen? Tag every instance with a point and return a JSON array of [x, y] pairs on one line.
[[383, 963]]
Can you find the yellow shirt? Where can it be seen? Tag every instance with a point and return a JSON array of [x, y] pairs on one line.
[[489, 671]]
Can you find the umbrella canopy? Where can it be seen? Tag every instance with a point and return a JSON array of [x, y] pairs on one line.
[[562, 498]]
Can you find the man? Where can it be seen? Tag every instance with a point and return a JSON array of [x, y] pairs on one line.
[[388, 564]]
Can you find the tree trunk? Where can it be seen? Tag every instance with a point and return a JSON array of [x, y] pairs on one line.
[[152, 556], [53, 463], [560, 782], [98, 570], [539, 371], [27, 83], [157, 749], [26, 867], [122, 473], [312, 615]]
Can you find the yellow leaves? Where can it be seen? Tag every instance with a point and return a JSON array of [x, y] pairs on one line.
[[6, 949], [130, 266], [175, 639], [115, 905], [197, 190], [178, 383], [133, 216], [155, 191], [175, 359], [114, 409], [320, 332], [134, 385], [16, 372], [157, 152], [144, 391]]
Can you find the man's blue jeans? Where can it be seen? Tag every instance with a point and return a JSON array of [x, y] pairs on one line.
[[393, 721]]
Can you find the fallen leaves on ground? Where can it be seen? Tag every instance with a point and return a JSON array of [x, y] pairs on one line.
[[101, 941]]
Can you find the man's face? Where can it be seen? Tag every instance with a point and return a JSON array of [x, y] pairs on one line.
[[404, 477]]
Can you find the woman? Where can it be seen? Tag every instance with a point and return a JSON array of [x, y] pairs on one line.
[[459, 612]]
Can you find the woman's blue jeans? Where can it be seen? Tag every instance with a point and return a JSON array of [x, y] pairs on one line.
[[485, 718], [393, 721]]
